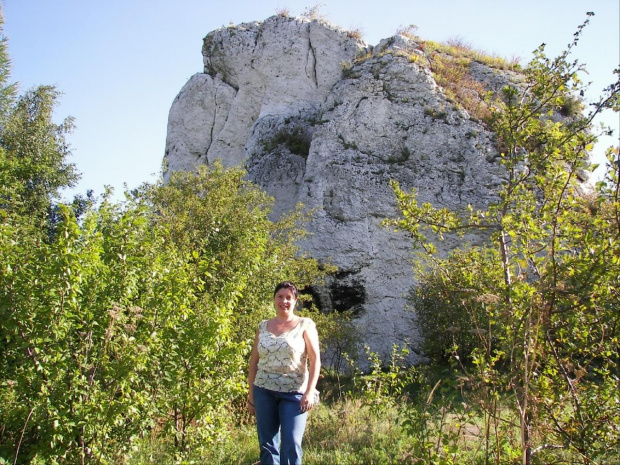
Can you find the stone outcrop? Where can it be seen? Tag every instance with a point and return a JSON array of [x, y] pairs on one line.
[[278, 67], [321, 118]]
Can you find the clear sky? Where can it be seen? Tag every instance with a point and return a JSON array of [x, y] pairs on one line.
[[120, 63]]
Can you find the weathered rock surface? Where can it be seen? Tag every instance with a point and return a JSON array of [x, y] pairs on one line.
[[323, 119], [278, 67]]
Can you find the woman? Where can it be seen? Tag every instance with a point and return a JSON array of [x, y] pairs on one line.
[[281, 385]]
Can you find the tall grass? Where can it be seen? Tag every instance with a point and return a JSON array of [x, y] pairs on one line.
[[348, 432], [340, 432], [390, 415], [458, 48]]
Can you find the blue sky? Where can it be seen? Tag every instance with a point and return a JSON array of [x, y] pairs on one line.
[[120, 63]]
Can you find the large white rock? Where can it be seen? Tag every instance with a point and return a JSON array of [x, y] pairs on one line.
[[349, 130], [281, 66]]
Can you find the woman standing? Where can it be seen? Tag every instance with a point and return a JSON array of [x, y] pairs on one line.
[[282, 386]]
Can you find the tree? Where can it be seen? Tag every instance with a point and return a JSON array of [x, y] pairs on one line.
[[553, 337], [233, 255], [448, 302], [119, 319], [33, 155], [138, 316], [123, 318], [33, 151]]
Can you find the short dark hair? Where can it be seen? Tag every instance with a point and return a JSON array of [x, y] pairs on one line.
[[286, 285]]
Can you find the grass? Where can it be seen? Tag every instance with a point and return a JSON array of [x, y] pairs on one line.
[[458, 48], [450, 64], [356, 33], [409, 31], [451, 72], [350, 426], [314, 13], [341, 432], [380, 418], [283, 12], [348, 431]]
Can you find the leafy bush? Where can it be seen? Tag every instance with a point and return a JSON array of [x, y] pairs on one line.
[[452, 303], [141, 314], [571, 107], [550, 293]]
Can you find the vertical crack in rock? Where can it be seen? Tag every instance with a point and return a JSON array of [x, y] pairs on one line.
[[311, 57], [216, 106], [213, 121], [371, 246]]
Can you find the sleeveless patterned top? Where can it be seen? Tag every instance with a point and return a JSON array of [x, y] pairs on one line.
[[282, 363]]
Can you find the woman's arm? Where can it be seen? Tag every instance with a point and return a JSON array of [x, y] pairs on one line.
[[252, 374], [311, 336]]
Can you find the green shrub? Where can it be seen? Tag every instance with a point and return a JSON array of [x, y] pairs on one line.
[[451, 310], [137, 318], [296, 140]]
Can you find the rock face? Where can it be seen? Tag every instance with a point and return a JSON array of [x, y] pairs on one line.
[[255, 70], [321, 118]]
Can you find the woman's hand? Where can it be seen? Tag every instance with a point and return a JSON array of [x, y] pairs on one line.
[[251, 407], [311, 338], [307, 402], [252, 375]]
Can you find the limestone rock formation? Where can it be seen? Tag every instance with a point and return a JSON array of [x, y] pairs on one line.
[[278, 67], [321, 118]]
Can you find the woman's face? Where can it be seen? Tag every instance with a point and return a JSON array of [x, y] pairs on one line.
[[284, 301]]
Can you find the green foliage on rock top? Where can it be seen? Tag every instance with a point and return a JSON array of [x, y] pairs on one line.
[[458, 49]]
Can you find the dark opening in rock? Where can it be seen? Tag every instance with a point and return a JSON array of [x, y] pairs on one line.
[[347, 292]]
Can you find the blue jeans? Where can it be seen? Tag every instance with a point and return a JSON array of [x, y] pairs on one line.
[[280, 424]]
